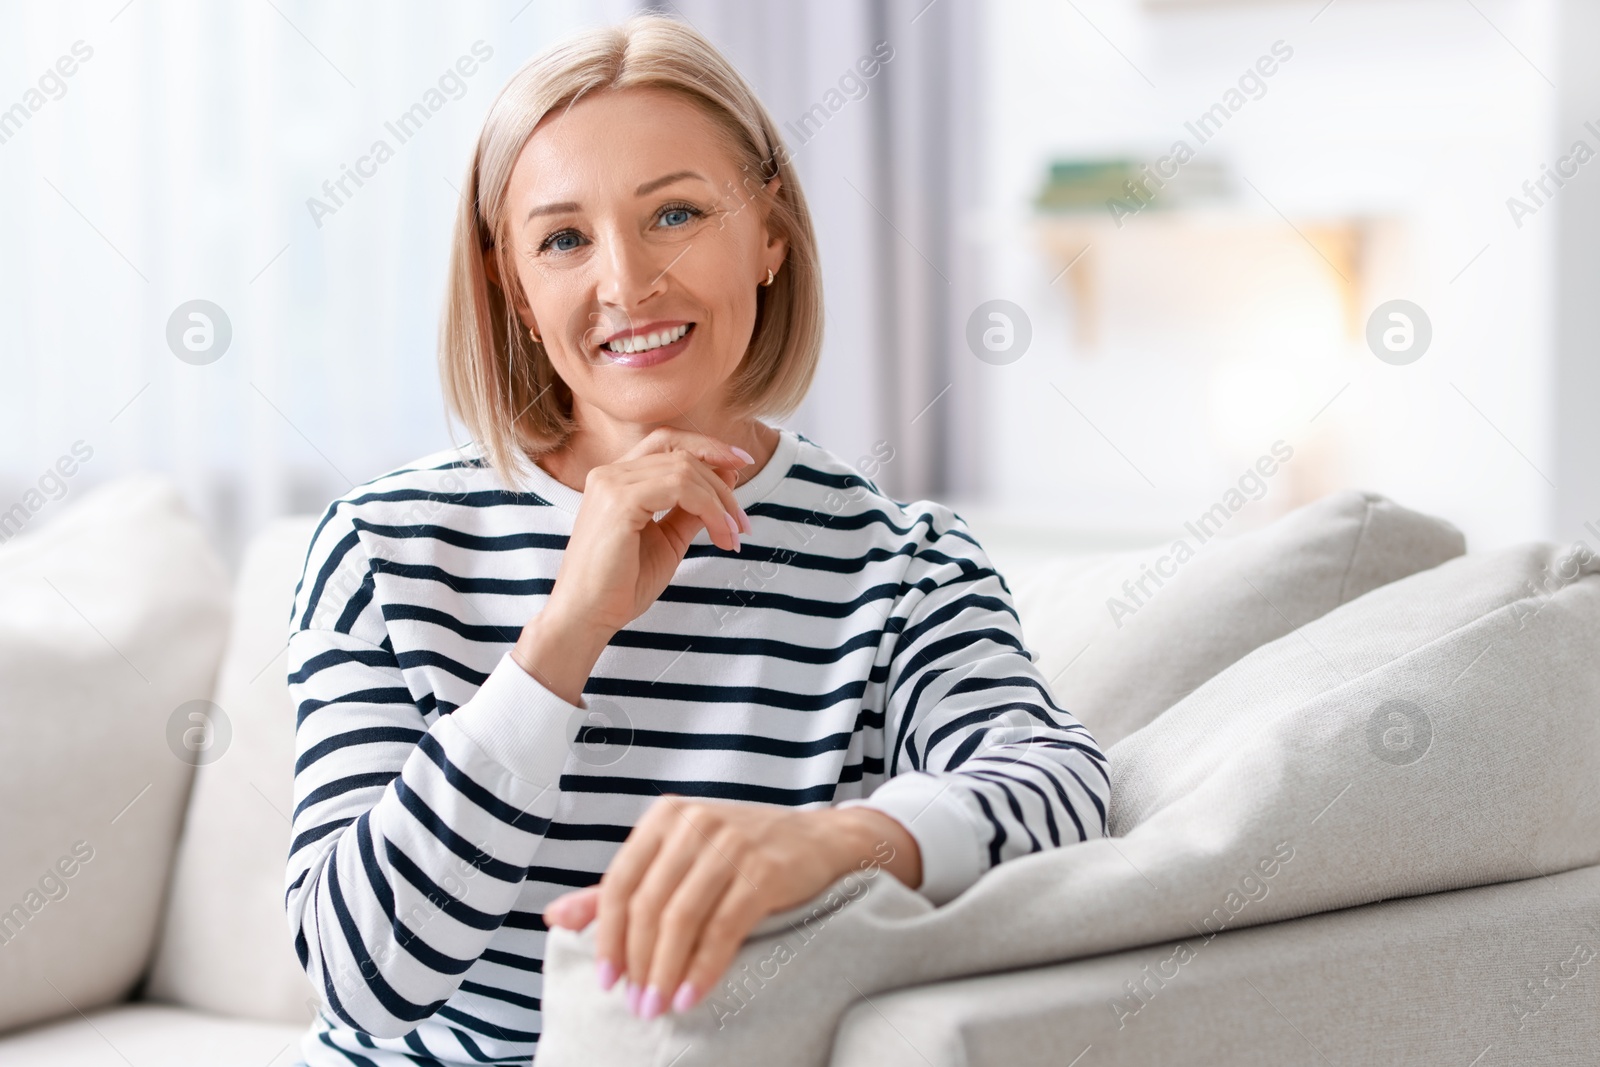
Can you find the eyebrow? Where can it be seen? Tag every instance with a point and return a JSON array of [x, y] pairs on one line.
[[644, 190]]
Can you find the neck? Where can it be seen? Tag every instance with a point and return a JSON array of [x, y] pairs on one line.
[[600, 440]]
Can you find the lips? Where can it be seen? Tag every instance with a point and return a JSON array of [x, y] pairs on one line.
[[647, 346]]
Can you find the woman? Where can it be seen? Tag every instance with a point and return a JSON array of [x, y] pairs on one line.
[[633, 656]]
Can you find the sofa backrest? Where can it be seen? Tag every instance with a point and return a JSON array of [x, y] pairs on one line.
[[225, 944], [1125, 636]]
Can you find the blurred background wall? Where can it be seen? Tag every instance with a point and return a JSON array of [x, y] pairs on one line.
[[1054, 351]]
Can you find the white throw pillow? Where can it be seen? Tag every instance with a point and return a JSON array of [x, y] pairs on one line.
[[112, 618], [225, 946], [1124, 637]]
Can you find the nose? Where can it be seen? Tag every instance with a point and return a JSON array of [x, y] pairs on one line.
[[629, 274]]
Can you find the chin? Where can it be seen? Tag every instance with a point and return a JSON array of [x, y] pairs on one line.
[[651, 403], [667, 392]]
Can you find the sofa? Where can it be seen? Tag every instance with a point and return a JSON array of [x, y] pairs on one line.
[[1356, 819]]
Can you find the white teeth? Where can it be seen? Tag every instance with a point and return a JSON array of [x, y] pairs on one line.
[[637, 343]]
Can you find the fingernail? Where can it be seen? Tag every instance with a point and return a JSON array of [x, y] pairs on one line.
[[650, 1006], [608, 974], [744, 518], [633, 997], [683, 999], [733, 528], [742, 454]]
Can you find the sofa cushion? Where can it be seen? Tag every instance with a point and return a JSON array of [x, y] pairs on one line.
[[1468, 962], [1126, 636], [112, 618], [153, 1034], [1440, 732], [225, 945]]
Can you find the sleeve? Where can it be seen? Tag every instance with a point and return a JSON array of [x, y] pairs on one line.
[[410, 842], [983, 765]]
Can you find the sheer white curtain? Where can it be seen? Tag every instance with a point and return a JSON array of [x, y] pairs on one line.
[[202, 152]]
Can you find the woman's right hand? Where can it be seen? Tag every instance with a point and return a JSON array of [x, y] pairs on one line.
[[620, 557]]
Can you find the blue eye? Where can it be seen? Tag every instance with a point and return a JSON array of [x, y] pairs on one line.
[[565, 241], [673, 217]]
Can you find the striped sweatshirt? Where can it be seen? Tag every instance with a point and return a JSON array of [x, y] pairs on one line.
[[858, 650]]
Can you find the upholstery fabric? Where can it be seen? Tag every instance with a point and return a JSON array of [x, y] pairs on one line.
[[1125, 637], [225, 945], [1417, 981], [152, 1034]]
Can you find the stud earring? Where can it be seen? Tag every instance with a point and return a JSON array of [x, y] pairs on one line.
[[535, 336], [769, 277]]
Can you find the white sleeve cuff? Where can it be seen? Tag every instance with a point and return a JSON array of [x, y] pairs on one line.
[[519, 724], [950, 840]]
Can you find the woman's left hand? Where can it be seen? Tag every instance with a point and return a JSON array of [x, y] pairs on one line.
[[695, 877]]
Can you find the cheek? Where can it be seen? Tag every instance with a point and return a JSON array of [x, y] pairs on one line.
[[733, 324], [724, 283], [561, 304]]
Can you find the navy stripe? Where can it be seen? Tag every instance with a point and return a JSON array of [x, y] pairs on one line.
[[506, 959], [437, 896], [745, 646], [456, 843], [759, 794], [1066, 801], [832, 479], [355, 605], [486, 1028], [329, 565], [371, 735], [999, 837], [463, 783], [340, 786], [626, 737], [460, 539], [393, 695], [317, 833], [725, 694], [412, 659], [460, 583], [338, 656], [1003, 783]]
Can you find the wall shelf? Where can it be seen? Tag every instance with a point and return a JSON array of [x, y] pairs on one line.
[[1076, 241]]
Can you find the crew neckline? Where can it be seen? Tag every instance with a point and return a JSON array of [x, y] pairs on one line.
[[559, 495]]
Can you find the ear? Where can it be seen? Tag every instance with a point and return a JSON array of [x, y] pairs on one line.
[[491, 268], [777, 246]]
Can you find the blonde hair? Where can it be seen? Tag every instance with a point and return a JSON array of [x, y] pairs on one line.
[[497, 379]]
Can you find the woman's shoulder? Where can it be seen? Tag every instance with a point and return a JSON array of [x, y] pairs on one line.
[[453, 469], [409, 493], [455, 475], [847, 493]]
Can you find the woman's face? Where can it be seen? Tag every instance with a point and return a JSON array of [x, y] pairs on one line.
[[639, 245]]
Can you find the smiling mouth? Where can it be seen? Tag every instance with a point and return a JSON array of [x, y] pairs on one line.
[[647, 348]]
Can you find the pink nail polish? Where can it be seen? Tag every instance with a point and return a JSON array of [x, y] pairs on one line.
[[608, 974], [650, 1006], [633, 998], [733, 528], [684, 998], [745, 519], [742, 454]]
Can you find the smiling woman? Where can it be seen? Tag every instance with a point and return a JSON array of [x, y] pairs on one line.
[[535, 682]]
